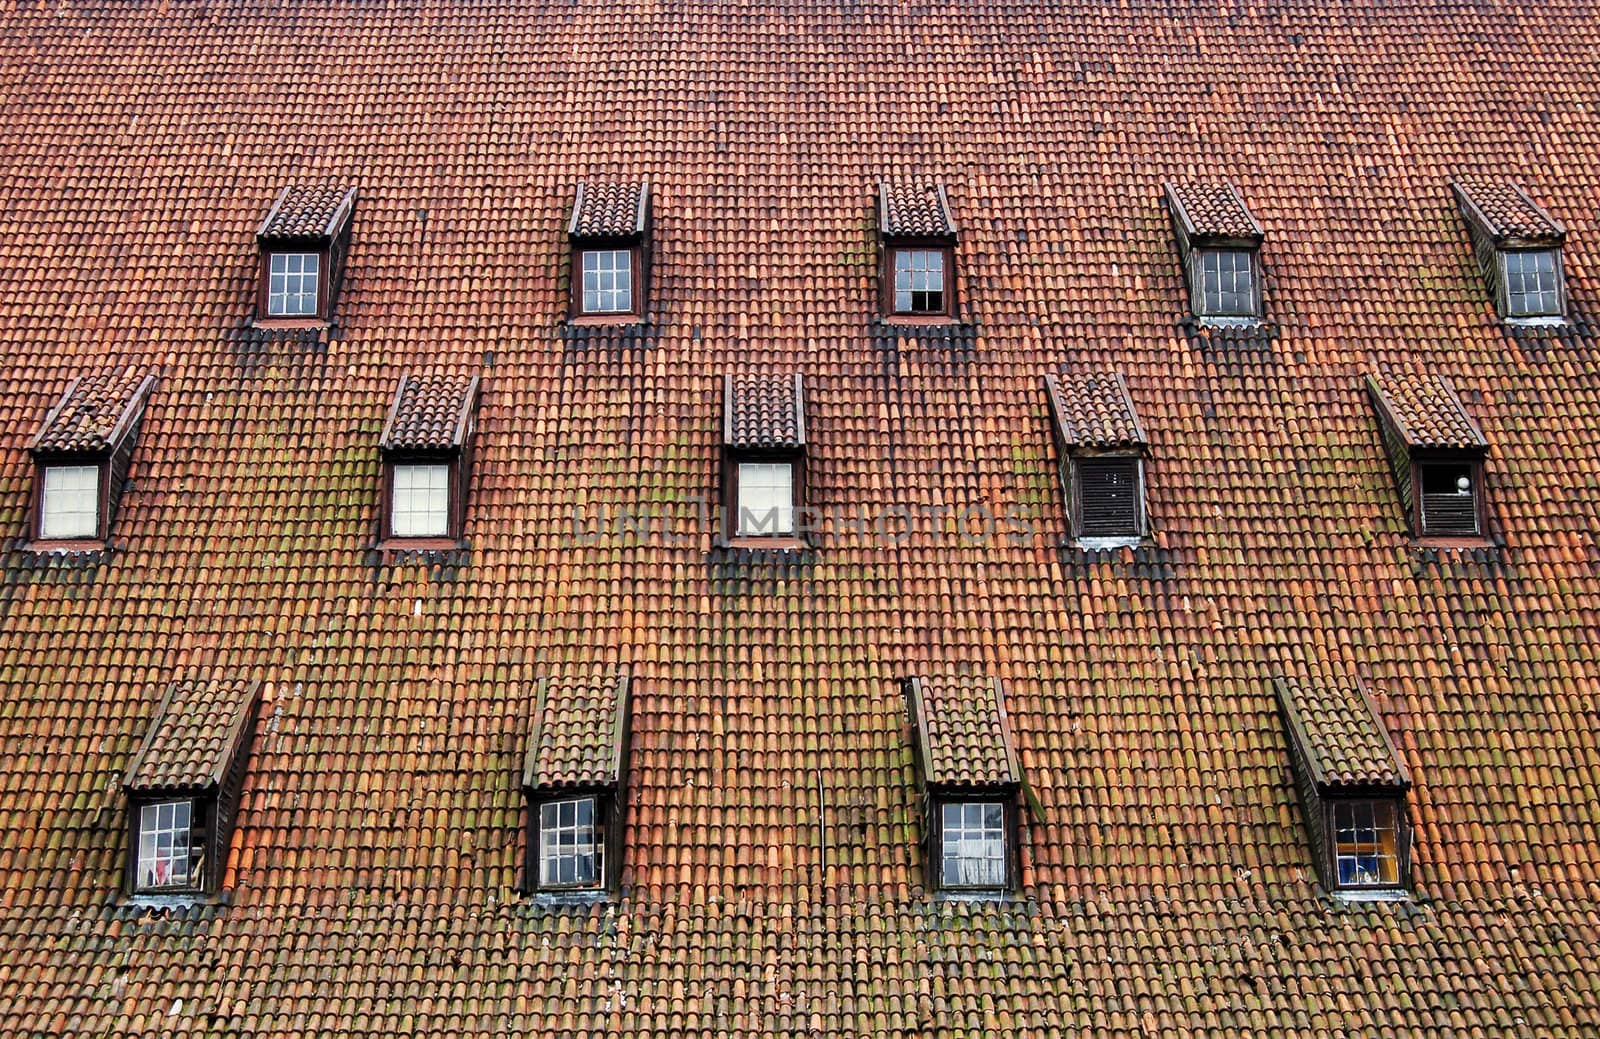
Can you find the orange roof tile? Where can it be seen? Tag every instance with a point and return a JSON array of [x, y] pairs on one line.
[[579, 734], [1506, 212], [431, 412], [914, 211], [1213, 211], [964, 737], [94, 412], [1343, 738], [1093, 409], [612, 210], [1425, 410], [194, 736], [307, 212], [764, 410]]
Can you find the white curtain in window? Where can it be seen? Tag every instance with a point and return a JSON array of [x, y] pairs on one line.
[[421, 501], [71, 502], [766, 499]]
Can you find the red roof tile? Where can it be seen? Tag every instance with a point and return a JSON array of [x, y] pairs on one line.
[[1504, 211], [94, 412], [1093, 409], [1343, 738], [907, 210], [610, 210], [1425, 410], [579, 737], [307, 212], [430, 412], [764, 410], [963, 736], [195, 734], [1213, 211]]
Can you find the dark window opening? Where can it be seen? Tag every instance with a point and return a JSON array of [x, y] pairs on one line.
[[919, 281], [1110, 499], [1449, 499]]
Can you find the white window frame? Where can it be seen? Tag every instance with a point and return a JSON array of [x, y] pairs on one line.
[[404, 492], [165, 836], [1205, 279], [606, 284], [911, 278], [765, 519], [1556, 309], [281, 300], [561, 838], [65, 524], [972, 828]]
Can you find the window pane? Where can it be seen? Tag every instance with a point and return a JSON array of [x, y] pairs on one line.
[[1532, 289], [766, 499], [974, 845], [607, 281], [1365, 847], [1227, 283], [571, 844], [70, 506], [919, 281], [421, 506], [292, 284], [168, 855]]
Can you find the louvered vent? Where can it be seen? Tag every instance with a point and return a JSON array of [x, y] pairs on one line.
[[1109, 498], [1449, 501]]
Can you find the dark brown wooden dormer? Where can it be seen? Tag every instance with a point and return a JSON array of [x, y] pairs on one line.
[[1219, 242], [917, 254], [426, 452], [1438, 454], [303, 242]]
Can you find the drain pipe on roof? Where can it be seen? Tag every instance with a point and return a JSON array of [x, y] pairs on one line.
[[822, 828]]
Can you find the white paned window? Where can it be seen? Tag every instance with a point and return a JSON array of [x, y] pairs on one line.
[[974, 837], [607, 281], [570, 845], [167, 855], [1366, 851], [1532, 286], [1227, 283], [69, 505], [919, 281], [766, 499], [421, 504], [292, 284]]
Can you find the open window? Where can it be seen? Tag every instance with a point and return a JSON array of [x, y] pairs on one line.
[[1437, 452], [764, 460], [1352, 786], [970, 780], [427, 448], [1100, 448], [917, 283], [81, 456], [609, 234], [1518, 246], [1219, 242], [573, 777], [303, 243], [183, 786]]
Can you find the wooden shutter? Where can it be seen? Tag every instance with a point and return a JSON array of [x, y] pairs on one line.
[[1110, 500], [1446, 511]]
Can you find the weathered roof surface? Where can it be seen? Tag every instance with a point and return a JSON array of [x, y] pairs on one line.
[[1213, 211], [962, 730], [1425, 410], [194, 735], [609, 210], [914, 210], [1343, 738], [772, 863], [1093, 409], [1507, 212], [764, 409], [431, 411], [306, 212], [93, 411], [579, 729]]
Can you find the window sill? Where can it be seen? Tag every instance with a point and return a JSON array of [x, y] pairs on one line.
[[290, 324], [919, 320], [593, 320], [784, 544], [396, 548], [1228, 322], [65, 546], [1356, 896], [175, 900], [1471, 541], [989, 895], [1106, 544], [1543, 321], [570, 897]]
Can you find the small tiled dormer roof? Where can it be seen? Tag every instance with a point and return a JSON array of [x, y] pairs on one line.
[[430, 413], [611, 210], [1093, 410], [1211, 213], [963, 735], [198, 730], [1423, 411], [1339, 737], [94, 413], [914, 211], [307, 212], [764, 411], [1505, 213], [580, 731]]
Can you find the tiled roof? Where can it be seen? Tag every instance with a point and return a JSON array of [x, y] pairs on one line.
[[1211, 211], [1343, 737], [964, 736], [307, 212], [93, 412], [914, 210], [609, 210], [1425, 410], [194, 735], [1506, 212], [1093, 409], [430, 412], [579, 732], [764, 409]]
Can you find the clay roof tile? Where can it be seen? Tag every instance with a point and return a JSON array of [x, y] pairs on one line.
[[197, 730], [94, 412]]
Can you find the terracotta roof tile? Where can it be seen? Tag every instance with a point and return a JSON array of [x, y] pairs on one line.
[[194, 735], [93, 412], [1093, 409], [911, 210], [307, 212], [1425, 410], [609, 210], [1213, 211], [579, 733], [430, 412], [963, 733], [1507, 212], [1344, 739], [764, 410]]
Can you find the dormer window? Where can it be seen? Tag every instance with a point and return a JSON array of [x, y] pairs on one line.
[[572, 777], [609, 232], [303, 242], [1219, 242], [1100, 447], [1517, 244], [82, 454], [764, 455], [969, 772], [1352, 786], [183, 786], [427, 460], [918, 241], [1437, 451]]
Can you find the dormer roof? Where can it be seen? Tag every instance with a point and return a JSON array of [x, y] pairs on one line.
[[610, 209], [1339, 737], [198, 730], [580, 730], [430, 412], [1213, 214], [1504, 213], [963, 734], [914, 210], [1093, 410], [764, 410], [94, 413], [1424, 412], [302, 213]]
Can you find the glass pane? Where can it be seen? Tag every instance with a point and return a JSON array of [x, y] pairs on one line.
[[607, 281], [570, 844], [974, 838], [421, 504], [292, 284], [766, 499], [919, 281], [168, 849], [1532, 288], [1227, 283], [70, 502]]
